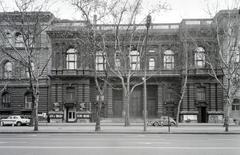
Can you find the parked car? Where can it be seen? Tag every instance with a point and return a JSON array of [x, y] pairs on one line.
[[162, 121], [15, 120]]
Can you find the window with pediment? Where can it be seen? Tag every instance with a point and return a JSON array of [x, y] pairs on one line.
[[199, 57], [168, 60], [134, 60], [7, 70], [6, 100], [71, 59]]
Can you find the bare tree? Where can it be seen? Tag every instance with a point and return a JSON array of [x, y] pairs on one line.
[[30, 49], [226, 32], [115, 14]]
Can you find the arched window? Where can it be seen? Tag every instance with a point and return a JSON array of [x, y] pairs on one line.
[[19, 40], [199, 57], [6, 100], [168, 60], [151, 64], [134, 60], [9, 38], [7, 70], [28, 101], [71, 59], [100, 61]]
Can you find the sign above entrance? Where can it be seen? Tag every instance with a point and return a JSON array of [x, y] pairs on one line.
[[69, 104]]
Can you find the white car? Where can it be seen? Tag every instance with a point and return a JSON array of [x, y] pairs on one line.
[[15, 120]]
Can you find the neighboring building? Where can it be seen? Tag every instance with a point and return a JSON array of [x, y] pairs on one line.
[[15, 92], [69, 92]]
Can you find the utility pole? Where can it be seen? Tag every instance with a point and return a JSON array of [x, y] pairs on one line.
[[148, 23]]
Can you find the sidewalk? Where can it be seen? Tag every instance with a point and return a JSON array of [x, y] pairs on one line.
[[118, 128]]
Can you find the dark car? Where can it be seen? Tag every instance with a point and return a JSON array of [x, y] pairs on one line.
[[162, 121]]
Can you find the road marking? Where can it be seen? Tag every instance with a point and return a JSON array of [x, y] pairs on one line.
[[117, 147], [13, 142], [147, 143]]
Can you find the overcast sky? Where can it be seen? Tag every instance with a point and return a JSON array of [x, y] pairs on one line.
[[181, 9]]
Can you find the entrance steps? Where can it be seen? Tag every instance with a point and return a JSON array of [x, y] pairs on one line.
[[121, 120]]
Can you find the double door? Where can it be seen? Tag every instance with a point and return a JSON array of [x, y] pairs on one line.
[[71, 114]]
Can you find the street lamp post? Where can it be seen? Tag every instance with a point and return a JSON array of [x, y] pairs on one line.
[[148, 23]]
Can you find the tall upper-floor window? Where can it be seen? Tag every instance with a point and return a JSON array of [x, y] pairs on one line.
[[100, 60], [201, 94], [168, 60], [199, 57], [28, 101], [151, 64], [7, 70], [27, 71], [6, 100], [117, 60], [71, 59], [234, 54], [19, 40], [9, 38], [70, 94], [134, 60]]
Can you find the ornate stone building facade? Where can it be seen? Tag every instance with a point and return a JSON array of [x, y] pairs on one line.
[[68, 91]]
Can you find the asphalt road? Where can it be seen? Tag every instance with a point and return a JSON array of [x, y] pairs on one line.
[[119, 144]]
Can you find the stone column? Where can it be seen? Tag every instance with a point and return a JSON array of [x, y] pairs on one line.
[[109, 102], [160, 101]]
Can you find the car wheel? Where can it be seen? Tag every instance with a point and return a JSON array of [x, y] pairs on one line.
[[19, 123], [172, 124], [2, 124], [155, 124]]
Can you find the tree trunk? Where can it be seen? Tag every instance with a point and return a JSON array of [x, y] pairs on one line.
[[226, 120], [98, 112], [36, 112], [127, 116]]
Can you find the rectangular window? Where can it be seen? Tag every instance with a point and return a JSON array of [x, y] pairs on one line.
[[235, 107], [134, 60], [100, 61], [201, 94], [169, 62], [117, 63], [70, 94], [6, 100]]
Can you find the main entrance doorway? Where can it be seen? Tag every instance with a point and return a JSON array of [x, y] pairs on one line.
[[71, 114], [202, 115]]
